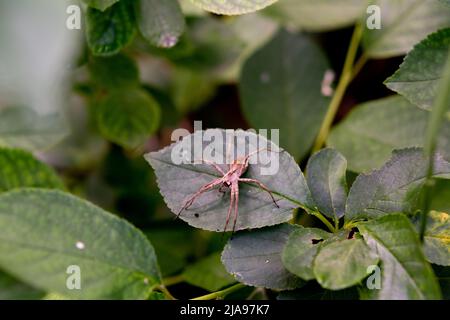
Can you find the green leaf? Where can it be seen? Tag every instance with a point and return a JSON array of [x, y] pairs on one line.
[[403, 24], [180, 179], [393, 188], [419, 75], [405, 273], [342, 264], [233, 7], [114, 72], [437, 238], [370, 133], [208, 273], [128, 117], [19, 169], [254, 258], [317, 15], [44, 232], [110, 31], [160, 22], [100, 4], [325, 174], [12, 289], [24, 128], [301, 249], [440, 195], [275, 94]]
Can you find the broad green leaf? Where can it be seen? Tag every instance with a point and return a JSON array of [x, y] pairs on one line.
[[110, 31], [437, 238], [233, 7], [208, 273], [160, 22], [24, 128], [12, 289], [114, 72], [342, 264], [300, 250], [405, 273], [313, 291], [447, 2], [403, 24], [19, 169], [100, 4], [374, 129], [440, 195], [420, 73], [325, 174], [317, 15], [128, 117], [181, 174], [254, 258], [280, 87], [393, 188], [44, 232]]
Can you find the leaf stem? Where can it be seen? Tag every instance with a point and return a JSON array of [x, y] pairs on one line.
[[345, 79], [221, 293], [166, 292], [170, 281], [320, 216]]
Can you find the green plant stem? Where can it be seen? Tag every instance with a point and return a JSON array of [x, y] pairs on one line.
[[170, 281], [325, 221], [346, 76], [166, 292], [221, 293]]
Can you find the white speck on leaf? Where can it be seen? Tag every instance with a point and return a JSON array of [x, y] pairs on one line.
[[265, 77], [267, 261], [168, 41], [80, 245], [146, 281]]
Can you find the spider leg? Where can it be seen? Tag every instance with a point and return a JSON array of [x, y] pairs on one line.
[[262, 186], [215, 165], [229, 211], [203, 189], [235, 191]]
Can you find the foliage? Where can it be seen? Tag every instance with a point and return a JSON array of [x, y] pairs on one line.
[[88, 170]]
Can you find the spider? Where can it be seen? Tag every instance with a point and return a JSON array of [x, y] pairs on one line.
[[229, 179]]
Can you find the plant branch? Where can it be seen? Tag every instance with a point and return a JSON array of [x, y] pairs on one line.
[[325, 221], [170, 281], [221, 293], [345, 79]]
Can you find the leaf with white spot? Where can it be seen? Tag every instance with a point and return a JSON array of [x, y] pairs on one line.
[[233, 7], [44, 232]]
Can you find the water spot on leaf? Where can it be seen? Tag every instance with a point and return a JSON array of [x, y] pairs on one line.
[[265, 77], [80, 245]]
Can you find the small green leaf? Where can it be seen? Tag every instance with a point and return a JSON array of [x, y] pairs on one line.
[[403, 24], [114, 72], [233, 7], [160, 22], [393, 188], [342, 264], [280, 87], [24, 128], [317, 15], [208, 273], [374, 129], [419, 75], [254, 258], [181, 179], [437, 238], [405, 273], [45, 231], [110, 31], [19, 169], [325, 174], [100, 4], [128, 117], [301, 249]]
